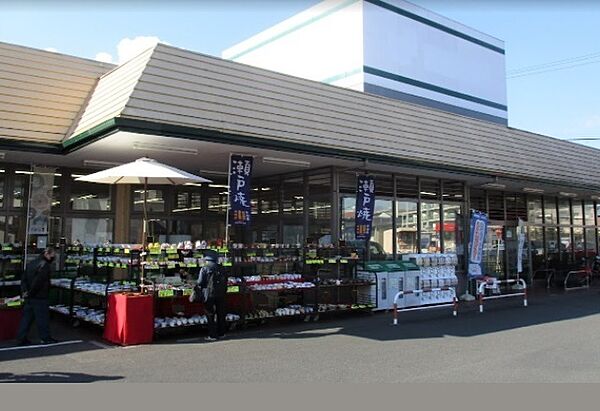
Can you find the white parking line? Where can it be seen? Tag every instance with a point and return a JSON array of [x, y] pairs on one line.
[[101, 345], [32, 347]]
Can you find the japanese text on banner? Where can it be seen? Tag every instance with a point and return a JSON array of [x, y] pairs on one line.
[[365, 207], [479, 223], [240, 173]]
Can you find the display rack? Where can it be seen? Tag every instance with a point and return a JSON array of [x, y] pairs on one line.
[[426, 281], [339, 288], [11, 270], [101, 270]]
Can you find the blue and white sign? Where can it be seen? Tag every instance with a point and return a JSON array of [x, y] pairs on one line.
[[479, 223], [365, 207], [240, 172]]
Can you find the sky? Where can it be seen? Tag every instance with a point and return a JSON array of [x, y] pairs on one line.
[[562, 103]]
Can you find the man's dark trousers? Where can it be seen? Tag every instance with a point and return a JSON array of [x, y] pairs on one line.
[[35, 309], [216, 306]]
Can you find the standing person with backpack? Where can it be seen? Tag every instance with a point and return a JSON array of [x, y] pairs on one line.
[[212, 282], [35, 286]]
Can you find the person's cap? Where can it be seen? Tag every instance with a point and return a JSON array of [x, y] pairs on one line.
[[210, 257]]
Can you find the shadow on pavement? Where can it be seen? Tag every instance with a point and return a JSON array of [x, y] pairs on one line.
[[499, 315], [34, 351], [55, 377]]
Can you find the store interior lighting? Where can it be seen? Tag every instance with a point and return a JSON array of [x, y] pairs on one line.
[[533, 190], [286, 162], [100, 163], [162, 148], [2, 155], [564, 194]]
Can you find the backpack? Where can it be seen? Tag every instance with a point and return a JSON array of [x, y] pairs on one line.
[[211, 285], [216, 282]]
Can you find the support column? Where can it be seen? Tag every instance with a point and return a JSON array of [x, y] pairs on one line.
[[122, 206]]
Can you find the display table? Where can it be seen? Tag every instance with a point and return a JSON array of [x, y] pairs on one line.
[[9, 322], [129, 319]]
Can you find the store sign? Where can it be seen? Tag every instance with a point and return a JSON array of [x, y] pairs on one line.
[[521, 246], [365, 207], [479, 223], [240, 172], [40, 200]]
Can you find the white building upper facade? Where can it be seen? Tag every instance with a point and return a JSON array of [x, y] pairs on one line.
[[391, 48]]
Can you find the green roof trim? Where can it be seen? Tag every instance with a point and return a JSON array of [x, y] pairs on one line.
[[90, 135], [29, 146]]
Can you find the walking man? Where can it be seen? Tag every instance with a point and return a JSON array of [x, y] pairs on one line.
[[35, 287], [213, 283]]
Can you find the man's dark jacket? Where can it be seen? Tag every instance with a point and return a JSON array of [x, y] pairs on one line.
[[36, 279]]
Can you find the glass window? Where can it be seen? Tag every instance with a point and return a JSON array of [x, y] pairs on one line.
[[452, 226], [1, 188], [269, 199], [516, 207], [590, 242], [188, 201], [550, 210], [2, 228], [406, 227], [496, 205], [566, 245], [452, 190], [15, 229], [430, 189], [536, 242], [348, 224], [534, 210], [90, 196], [89, 230], [183, 230], [348, 210], [293, 234], [478, 200], [430, 222], [564, 214], [319, 207], [20, 183], [213, 230], [157, 229], [578, 242], [293, 196], [589, 213], [57, 194], [552, 240], [155, 202], [577, 208], [217, 198], [383, 238], [406, 187]]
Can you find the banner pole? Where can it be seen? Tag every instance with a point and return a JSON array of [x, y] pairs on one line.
[[26, 245], [228, 202]]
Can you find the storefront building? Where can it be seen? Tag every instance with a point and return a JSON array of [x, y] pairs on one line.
[[309, 141]]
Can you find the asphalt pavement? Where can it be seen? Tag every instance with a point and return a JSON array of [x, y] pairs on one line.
[[555, 339]]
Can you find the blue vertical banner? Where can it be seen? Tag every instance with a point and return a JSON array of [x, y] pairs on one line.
[[240, 173], [365, 207], [479, 223]]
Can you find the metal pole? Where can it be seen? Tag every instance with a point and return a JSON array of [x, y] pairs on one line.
[[26, 245], [145, 224], [228, 202]]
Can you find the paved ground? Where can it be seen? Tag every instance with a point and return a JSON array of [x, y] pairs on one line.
[[555, 339]]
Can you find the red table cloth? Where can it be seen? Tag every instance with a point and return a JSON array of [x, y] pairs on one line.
[[129, 319], [9, 323]]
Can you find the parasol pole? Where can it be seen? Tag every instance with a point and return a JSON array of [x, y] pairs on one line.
[[144, 231]]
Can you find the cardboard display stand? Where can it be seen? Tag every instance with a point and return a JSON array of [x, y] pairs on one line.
[[129, 319], [9, 321]]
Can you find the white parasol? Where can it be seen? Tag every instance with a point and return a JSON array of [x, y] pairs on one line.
[[144, 171]]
